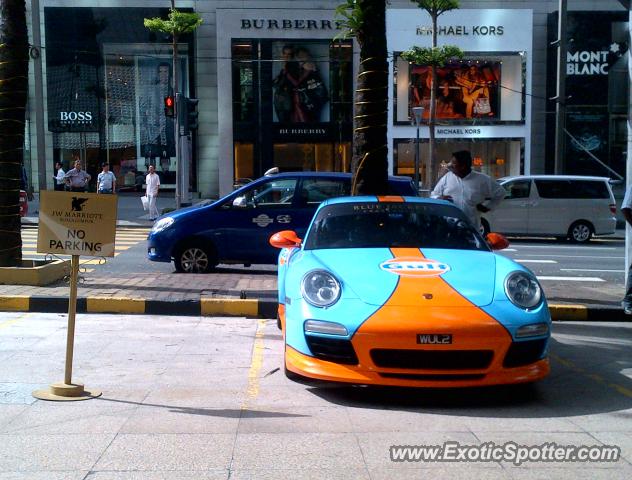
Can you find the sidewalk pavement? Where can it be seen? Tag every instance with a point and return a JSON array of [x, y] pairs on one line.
[[237, 291]]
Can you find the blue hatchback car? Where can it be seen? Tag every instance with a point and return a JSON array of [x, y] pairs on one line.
[[236, 228]]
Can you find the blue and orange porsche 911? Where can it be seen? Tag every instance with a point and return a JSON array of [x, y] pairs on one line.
[[405, 291]]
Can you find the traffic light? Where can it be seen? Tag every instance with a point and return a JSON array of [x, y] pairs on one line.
[[190, 114], [169, 106]]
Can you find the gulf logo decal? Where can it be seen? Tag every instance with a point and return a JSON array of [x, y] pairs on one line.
[[415, 267]]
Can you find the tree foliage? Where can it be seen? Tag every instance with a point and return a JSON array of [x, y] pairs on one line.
[[437, 7], [436, 57], [178, 23]]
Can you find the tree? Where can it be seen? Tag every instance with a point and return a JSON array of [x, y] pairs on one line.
[[434, 57], [366, 21], [177, 24], [14, 65]]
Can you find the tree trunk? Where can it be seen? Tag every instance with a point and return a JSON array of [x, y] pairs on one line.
[[432, 117], [14, 64], [369, 163]]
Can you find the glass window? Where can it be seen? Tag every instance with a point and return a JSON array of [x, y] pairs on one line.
[[392, 224], [518, 189], [487, 87], [274, 193], [314, 191]]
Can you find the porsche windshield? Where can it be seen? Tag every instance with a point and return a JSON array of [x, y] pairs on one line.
[[392, 224]]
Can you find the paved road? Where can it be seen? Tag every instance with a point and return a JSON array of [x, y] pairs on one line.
[[586, 274], [203, 398]]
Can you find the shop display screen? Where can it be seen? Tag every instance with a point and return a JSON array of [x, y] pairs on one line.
[[465, 90]]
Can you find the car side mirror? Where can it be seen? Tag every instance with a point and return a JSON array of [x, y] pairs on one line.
[[497, 241], [240, 202], [285, 239]]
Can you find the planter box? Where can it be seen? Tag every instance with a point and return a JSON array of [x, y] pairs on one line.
[[35, 272]]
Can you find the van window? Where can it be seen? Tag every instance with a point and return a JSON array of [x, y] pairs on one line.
[[577, 189], [518, 189]]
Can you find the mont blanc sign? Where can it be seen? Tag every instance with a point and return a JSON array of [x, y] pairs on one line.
[[76, 223]]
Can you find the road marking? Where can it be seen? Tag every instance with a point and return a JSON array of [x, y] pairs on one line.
[[593, 376], [8, 323], [509, 250], [549, 247], [255, 365], [573, 279], [589, 270], [535, 261]]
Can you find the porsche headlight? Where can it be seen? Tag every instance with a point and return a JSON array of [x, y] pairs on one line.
[[161, 224], [320, 288], [523, 290]]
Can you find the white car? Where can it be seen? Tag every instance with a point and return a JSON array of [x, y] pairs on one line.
[[562, 206]]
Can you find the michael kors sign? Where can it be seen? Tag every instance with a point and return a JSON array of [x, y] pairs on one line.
[[464, 30]]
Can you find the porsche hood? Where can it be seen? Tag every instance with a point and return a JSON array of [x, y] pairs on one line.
[[373, 274]]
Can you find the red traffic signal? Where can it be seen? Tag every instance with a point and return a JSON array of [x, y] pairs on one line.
[[169, 106]]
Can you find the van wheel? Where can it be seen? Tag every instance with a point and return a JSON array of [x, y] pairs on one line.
[[580, 232], [484, 227], [195, 258]]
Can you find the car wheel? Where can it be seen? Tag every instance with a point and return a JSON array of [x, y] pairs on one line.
[[580, 232], [195, 258], [279, 326], [484, 227]]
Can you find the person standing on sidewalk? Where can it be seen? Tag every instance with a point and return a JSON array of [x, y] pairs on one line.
[[153, 185], [77, 178], [59, 177], [626, 211], [473, 192], [106, 181]]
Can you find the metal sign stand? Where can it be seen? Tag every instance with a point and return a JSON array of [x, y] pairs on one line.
[[67, 391]]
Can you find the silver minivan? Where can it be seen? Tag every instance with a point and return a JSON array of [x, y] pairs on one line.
[[562, 206]]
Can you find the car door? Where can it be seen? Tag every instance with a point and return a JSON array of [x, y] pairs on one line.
[[313, 191], [246, 222], [512, 215], [552, 207]]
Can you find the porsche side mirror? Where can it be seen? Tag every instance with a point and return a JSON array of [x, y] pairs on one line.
[[497, 241], [285, 239]]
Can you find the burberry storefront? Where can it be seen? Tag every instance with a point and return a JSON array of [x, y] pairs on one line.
[[284, 93]]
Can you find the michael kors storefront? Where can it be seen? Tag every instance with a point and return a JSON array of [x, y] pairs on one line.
[[285, 93], [483, 102]]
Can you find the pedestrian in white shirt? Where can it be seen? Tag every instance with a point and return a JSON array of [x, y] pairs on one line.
[[473, 192], [153, 185], [106, 181], [59, 177], [626, 210]]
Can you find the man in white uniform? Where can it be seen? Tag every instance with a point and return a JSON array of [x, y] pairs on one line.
[[626, 210], [153, 185], [473, 192]]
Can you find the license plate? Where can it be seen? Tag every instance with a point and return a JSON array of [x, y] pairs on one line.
[[434, 338]]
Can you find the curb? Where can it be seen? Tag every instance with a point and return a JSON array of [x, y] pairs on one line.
[[587, 313], [252, 308]]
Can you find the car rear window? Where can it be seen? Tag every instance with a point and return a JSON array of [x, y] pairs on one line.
[[392, 224], [578, 189]]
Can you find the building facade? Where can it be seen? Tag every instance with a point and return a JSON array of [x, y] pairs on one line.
[[275, 87]]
